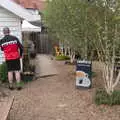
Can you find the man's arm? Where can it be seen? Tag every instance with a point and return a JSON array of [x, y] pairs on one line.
[[1, 45], [20, 47]]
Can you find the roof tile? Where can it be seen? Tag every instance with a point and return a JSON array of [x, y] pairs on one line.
[[34, 4]]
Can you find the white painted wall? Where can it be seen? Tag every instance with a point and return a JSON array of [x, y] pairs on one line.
[[19, 10], [13, 22]]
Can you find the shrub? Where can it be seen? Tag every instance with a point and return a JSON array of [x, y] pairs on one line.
[[102, 97], [62, 57], [93, 74], [3, 72]]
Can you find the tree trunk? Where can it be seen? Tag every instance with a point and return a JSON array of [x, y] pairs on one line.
[[65, 52], [72, 57]]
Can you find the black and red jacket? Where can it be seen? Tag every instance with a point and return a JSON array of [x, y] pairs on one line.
[[11, 47]]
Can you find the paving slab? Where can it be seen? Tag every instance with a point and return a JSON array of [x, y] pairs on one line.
[[5, 106], [45, 66]]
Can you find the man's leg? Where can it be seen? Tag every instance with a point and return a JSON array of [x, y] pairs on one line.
[[18, 80], [17, 76], [10, 79]]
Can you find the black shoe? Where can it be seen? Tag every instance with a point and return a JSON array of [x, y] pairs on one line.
[[11, 87], [19, 88]]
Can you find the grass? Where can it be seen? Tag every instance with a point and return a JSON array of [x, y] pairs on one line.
[[101, 97], [62, 57]]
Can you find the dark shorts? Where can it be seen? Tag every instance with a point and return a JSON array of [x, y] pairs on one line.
[[13, 65]]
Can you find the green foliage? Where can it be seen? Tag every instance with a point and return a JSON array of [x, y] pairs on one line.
[[102, 97], [85, 26], [62, 57], [66, 19], [3, 72]]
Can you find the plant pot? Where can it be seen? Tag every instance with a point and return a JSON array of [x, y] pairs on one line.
[[27, 77]]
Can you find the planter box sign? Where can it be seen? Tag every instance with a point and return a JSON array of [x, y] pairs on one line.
[[83, 74]]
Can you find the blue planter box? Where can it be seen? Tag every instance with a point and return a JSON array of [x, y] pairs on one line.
[[27, 77]]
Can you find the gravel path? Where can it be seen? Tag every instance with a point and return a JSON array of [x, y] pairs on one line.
[[56, 98]]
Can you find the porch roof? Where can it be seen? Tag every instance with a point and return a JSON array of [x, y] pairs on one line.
[[28, 27], [19, 11]]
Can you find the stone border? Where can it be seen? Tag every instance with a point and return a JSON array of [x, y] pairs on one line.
[[5, 106]]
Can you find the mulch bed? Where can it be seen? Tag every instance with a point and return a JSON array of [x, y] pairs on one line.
[[56, 98]]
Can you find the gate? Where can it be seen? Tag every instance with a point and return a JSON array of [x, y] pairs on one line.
[[43, 43]]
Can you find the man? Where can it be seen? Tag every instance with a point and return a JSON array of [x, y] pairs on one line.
[[13, 50], [31, 48]]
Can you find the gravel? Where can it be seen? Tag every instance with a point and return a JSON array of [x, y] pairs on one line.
[[56, 98]]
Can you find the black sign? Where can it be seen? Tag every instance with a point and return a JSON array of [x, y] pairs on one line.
[[83, 74]]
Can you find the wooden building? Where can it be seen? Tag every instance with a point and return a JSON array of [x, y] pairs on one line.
[[12, 15]]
